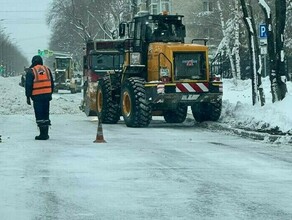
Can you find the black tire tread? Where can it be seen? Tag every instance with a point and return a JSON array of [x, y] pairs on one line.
[[140, 115], [110, 113], [176, 116]]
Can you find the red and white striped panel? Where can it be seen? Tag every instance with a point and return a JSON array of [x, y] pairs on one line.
[[192, 87], [220, 87]]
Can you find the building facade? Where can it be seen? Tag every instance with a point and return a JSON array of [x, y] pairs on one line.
[[154, 6]]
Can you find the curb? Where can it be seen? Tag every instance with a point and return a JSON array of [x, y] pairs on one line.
[[247, 133], [262, 136]]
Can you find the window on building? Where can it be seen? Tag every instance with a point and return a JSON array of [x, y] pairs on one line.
[[165, 5], [211, 6], [154, 8], [207, 5]]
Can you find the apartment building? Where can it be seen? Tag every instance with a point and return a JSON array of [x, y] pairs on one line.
[[155, 6]]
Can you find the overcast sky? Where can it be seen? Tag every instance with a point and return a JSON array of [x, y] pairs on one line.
[[25, 23]]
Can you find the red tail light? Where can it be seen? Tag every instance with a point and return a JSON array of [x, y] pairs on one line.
[[165, 79]]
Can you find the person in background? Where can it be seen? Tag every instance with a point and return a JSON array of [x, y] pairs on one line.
[[39, 86]]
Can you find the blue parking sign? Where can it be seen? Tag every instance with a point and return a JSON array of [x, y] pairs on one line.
[[263, 31]]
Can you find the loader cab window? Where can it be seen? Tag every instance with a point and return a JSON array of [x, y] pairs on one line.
[[137, 34], [161, 30], [167, 31], [190, 66], [107, 62], [126, 30], [62, 63], [148, 32], [131, 30]]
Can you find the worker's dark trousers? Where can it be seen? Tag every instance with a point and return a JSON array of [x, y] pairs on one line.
[[42, 111]]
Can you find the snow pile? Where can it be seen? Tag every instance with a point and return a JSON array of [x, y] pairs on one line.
[[13, 99], [237, 108]]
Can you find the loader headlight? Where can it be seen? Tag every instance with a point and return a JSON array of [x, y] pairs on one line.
[[135, 58]]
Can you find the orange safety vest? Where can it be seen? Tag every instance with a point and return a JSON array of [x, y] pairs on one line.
[[42, 80]]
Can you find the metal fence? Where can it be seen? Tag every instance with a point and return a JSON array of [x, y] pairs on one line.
[[221, 65]]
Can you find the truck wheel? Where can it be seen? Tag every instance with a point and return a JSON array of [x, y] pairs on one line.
[[207, 111], [136, 110], [107, 109], [215, 110], [176, 116], [199, 111]]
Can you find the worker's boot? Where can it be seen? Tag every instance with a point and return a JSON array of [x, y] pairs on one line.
[[44, 130]]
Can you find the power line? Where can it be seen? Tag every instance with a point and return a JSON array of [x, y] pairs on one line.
[[23, 11], [26, 22], [20, 18], [35, 37]]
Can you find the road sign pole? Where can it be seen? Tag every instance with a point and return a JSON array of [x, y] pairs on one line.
[[263, 44]]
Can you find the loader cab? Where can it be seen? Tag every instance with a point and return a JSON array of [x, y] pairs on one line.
[[154, 28], [63, 69], [147, 28], [157, 28]]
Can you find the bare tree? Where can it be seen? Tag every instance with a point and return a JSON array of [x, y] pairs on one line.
[[255, 60], [275, 42], [222, 25], [226, 41], [12, 61], [75, 22], [236, 46]]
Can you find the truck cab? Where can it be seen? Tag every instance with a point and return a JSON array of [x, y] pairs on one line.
[[65, 77]]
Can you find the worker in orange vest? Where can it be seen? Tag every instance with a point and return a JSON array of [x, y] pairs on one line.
[[39, 86]]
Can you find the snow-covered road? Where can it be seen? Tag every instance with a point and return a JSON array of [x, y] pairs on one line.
[[183, 171], [160, 172]]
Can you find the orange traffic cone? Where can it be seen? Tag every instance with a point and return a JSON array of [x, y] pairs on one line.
[[99, 134]]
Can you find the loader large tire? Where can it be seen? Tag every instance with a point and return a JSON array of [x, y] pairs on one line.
[[176, 116], [73, 90], [199, 111], [204, 111], [106, 108], [215, 110], [136, 110]]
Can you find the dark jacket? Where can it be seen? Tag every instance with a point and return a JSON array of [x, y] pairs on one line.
[[36, 60]]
